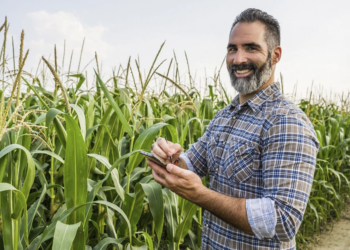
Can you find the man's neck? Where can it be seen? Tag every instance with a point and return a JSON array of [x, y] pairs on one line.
[[247, 97]]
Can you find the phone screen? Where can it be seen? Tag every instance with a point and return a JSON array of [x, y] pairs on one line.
[[153, 158]]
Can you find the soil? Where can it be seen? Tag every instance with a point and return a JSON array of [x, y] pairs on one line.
[[337, 237]]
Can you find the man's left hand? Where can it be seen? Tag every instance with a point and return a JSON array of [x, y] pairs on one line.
[[183, 182]]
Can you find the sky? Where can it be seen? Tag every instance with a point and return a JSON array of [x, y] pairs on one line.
[[314, 36]]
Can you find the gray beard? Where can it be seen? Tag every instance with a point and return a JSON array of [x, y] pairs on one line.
[[254, 82]]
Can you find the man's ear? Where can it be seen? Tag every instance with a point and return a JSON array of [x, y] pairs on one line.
[[276, 55]]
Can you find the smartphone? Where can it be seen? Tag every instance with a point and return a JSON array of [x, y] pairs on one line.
[[154, 158]]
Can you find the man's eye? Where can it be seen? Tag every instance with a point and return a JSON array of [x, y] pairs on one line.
[[250, 48], [231, 49]]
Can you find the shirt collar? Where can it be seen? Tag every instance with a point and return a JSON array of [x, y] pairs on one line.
[[256, 101]]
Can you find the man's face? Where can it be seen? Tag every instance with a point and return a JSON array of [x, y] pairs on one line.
[[248, 59]]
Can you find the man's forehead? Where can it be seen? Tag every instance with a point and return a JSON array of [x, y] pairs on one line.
[[243, 32]]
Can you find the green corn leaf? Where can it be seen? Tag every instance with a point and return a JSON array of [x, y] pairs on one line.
[[40, 119], [148, 239], [173, 133], [191, 240], [50, 229], [90, 130], [184, 132], [51, 117], [206, 109], [64, 236], [103, 244], [96, 188], [114, 105], [31, 213], [57, 157], [21, 200], [120, 211], [80, 81], [29, 179], [171, 214], [3, 163], [144, 141], [81, 118], [114, 174], [132, 207], [184, 226], [27, 184], [110, 227], [149, 112], [35, 92], [75, 176], [135, 174], [61, 133], [154, 194]]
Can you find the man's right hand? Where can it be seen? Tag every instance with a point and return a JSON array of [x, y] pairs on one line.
[[164, 150]]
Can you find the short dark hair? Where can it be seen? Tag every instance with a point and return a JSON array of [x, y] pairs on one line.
[[272, 27]]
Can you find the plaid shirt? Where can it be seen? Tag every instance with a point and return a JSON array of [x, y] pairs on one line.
[[265, 151]]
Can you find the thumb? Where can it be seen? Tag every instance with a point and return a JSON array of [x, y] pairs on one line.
[[175, 170]]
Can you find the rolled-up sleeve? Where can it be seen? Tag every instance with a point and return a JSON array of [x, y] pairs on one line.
[[188, 162], [288, 163], [261, 216]]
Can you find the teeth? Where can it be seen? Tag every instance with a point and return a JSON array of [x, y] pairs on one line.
[[242, 71]]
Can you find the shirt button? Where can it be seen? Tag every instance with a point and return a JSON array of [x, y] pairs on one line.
[[216, 170], [207, 225], [236, 151], [233, 117], [224, 143]]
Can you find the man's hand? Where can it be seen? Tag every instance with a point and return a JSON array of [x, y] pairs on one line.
[[164, 150], [183, 182], [188, 185]]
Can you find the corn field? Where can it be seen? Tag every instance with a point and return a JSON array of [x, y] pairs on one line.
[[71, 176]]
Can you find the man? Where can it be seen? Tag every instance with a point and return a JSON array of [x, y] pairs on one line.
[[259, 151]]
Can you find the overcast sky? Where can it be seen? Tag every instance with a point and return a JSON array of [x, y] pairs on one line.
[[314, 35]]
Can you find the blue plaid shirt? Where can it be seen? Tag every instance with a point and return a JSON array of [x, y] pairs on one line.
[[265, 151]]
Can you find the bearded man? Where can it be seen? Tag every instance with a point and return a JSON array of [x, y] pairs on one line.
[[259, 151]]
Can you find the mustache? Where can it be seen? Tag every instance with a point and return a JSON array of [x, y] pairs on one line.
[[243, 66]]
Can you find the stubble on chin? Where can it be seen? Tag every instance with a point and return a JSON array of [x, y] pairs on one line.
[[253, 82]]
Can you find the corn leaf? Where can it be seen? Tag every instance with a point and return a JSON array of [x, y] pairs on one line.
[[144, 141], [132, 207], [114, 105], [185, 225], [114, 174], [75, 176], [64, 236], [21, 200], [57, 157], [153, 191], [103, 244], [81, 80], [81, 118]]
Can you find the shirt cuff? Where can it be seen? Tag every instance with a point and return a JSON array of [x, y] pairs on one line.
[[184, 157], [262, 217]]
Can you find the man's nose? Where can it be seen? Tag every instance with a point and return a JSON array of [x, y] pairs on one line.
[[239, 57]]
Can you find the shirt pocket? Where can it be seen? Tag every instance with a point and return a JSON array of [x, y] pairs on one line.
[[211, 151], [240, 162]]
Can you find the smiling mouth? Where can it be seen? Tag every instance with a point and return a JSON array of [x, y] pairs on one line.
[[243, 72]]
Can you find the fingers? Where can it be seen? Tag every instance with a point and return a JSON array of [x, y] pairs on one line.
[[158, 178], [164, 149], [159, 151], [175, 170], [161, 172], [177, 147], [166, 146]]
